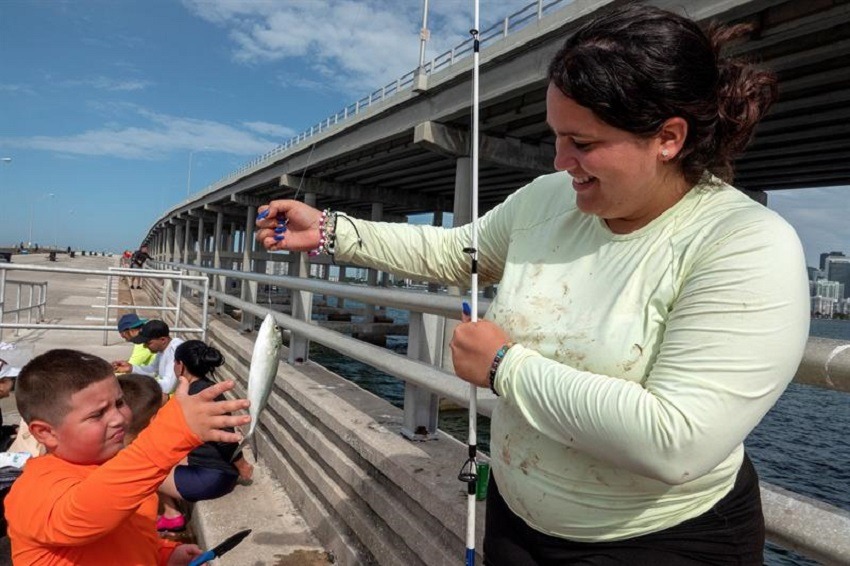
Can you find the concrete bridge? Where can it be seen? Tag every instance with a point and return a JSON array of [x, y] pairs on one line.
[[403, 149]]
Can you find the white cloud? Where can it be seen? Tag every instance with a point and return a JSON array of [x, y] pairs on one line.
[[265, 128], [818, 215], [159, 135], [106, 83], [16, 89], [355, 44]]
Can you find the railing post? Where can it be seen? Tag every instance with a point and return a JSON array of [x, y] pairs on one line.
[[2, 299], [42, 299], [302, 304], [31, 304], [421, 408], [18, 308], [106, 308], [220, 280], [539, 9], [505, 27], [205, 310], [179, 302]]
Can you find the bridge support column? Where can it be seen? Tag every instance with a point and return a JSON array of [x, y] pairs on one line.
[[425, 341], [201, 243], [249, 288], [302, 303], [187, 241], [219, 281], [170, 236]]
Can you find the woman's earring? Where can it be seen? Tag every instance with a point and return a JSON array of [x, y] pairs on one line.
[[664, 153]]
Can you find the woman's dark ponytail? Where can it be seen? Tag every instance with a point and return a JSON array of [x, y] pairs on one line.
[[200, 359], [745, 93]]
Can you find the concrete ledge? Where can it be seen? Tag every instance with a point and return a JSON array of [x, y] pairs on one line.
[[279, 533]]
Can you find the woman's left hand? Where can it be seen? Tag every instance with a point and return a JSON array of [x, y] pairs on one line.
[[474, 345]]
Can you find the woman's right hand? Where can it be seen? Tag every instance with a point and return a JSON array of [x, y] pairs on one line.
[[288, 225]]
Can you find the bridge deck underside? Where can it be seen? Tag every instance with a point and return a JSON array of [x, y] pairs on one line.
[[803, 142]]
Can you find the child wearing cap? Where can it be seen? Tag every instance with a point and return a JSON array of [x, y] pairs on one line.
[[129, 326], [154, 334]]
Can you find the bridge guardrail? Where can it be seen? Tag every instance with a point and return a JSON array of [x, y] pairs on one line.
[[33, 303], [110, 275]]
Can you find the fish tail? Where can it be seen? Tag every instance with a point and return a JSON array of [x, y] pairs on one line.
[[239, 448], [253, 442]]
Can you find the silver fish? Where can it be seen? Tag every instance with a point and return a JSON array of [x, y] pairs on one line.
[[264, 361]]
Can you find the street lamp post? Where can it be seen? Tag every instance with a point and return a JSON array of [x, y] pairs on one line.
[[424, 34], [189, 176]]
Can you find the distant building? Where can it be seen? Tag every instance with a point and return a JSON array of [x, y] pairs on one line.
[[838, 270], [823, 307], [829, 289], [825, 256], [814, 273]]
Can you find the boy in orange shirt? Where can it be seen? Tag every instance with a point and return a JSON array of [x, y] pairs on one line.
[[90, 500]]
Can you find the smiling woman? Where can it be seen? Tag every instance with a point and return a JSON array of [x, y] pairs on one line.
[[648, 314]]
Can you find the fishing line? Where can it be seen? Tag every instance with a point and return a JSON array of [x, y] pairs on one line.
[[304, 173]]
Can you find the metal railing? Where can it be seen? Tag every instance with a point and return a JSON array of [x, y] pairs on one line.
[[806, 525], [35, 301], [510, 24], [111, 274]]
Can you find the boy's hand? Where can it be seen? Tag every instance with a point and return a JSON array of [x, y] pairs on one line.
[[184, 554], [207, 417]]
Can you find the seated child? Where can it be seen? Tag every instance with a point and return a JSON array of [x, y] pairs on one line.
[[144, 396], [129, 326], [89, 500], [208, 472]]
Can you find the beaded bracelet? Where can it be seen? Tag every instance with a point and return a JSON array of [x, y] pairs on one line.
[[494, 367], [326, 234]]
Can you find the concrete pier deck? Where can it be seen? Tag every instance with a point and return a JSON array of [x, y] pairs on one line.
[[280, 535]]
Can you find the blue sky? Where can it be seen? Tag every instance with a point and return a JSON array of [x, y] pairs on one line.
[[103, 103]]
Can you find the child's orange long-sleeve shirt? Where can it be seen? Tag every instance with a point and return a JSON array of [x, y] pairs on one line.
[[61, 513]]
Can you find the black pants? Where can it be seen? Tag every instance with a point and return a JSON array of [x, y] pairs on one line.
[[731, 532]]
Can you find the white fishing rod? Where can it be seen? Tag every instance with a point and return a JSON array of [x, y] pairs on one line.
[[469, 472]]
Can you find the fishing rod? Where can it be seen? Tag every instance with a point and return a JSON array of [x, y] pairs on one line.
[[469, 472]]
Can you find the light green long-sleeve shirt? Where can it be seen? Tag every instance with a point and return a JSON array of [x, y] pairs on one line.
[[642, 360]]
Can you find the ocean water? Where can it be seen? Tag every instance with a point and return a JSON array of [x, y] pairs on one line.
[[801, 445]]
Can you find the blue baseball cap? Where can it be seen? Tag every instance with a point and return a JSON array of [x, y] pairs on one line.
[[129, 321]]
